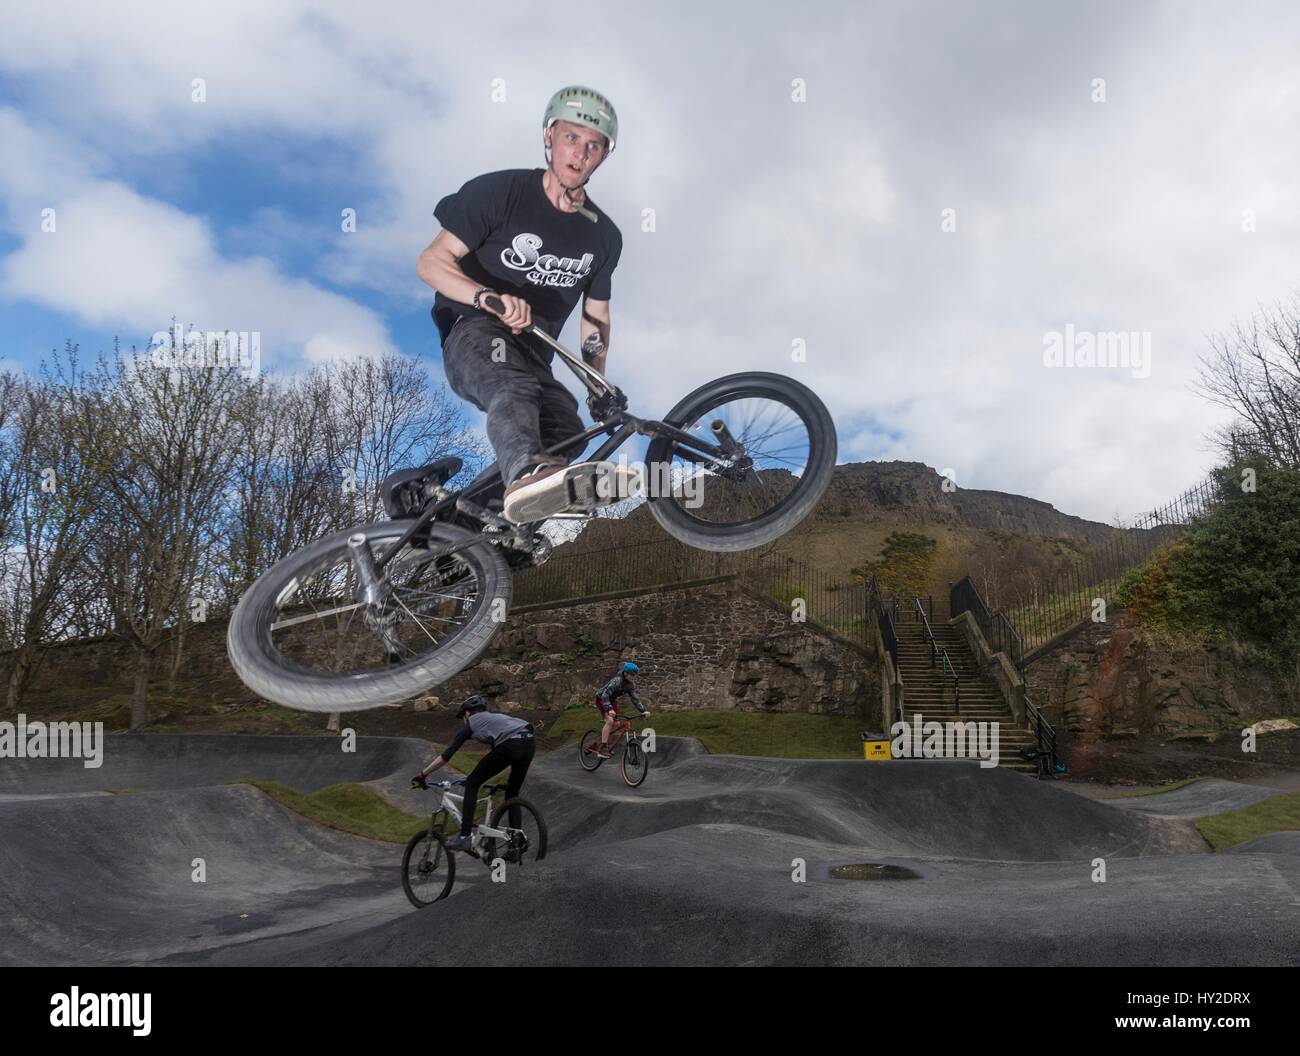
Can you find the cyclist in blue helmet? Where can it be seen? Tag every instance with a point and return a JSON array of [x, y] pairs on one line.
[[607, 703]]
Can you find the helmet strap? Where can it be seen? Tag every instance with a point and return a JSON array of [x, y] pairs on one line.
[[568, 194]]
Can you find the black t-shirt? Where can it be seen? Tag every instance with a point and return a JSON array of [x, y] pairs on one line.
[[523, 245]]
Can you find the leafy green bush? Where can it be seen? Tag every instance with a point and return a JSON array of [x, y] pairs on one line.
[[1235, 570]]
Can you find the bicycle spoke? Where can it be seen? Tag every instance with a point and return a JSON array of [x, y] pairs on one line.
[[318, 623], [776, 444]]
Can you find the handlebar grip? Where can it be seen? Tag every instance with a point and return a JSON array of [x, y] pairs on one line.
[[495, 303]]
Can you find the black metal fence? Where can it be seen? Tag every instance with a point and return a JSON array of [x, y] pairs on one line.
[[836, 603], [1014, 624], [1003, 637], [883, 616], [1000, 634], [579, 574], [1036, 614]]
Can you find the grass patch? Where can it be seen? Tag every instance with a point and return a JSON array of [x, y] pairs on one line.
[[792, 736], [1278, 814], [348, 808], [190, 706]]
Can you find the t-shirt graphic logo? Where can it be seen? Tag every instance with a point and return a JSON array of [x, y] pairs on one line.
[[544, 269]]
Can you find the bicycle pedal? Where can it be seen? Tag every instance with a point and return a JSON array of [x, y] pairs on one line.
[[591, 485]]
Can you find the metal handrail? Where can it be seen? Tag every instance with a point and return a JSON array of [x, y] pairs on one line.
[[935, 651], [876, 609], [965, 596], [1044, 734], [887, 632]]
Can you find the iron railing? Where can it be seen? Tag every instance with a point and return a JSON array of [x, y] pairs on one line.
[[1001, 637], [877, 609], [1044, 734], [998, 631], [1019, 622], [937, 652], [832, 602]]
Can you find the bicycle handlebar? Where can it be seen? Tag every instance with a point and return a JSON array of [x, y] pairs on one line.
[[602, 386]]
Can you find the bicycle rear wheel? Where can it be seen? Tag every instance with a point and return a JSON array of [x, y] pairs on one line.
[[587, 757], [428, 869], [304, 636], [783, 455], [526, 841]]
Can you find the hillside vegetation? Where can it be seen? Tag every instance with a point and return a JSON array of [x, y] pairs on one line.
[[1235, 572], [891, 519]]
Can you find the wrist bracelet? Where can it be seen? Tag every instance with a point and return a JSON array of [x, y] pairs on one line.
[[479, 293]]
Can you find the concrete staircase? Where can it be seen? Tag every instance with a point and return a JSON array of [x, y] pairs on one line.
[[928, 691]]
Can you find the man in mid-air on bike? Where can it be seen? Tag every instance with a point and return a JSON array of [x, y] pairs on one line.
[[511, 743], [607, 703], [536, 240]]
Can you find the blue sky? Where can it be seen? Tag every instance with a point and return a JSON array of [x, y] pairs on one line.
[[776, 218]]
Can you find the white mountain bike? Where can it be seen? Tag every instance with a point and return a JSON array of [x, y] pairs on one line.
[[429, 868]]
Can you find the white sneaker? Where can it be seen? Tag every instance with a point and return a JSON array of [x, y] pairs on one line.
[[539, 489]]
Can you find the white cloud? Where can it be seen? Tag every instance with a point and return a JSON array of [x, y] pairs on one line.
[[775, 220], [117, 259]]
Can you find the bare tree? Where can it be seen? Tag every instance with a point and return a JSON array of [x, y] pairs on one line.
[[165, 434], [284, 492], [55, 484], [1254, 370], [387, 417], [12, 393]]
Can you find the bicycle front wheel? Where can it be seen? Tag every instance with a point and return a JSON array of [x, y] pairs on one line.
[[526, 834], [782, 454], [635, 763], [428, 869]]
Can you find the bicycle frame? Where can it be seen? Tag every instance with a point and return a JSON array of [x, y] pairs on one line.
[[619, 425], [450, 803], [624, 727]]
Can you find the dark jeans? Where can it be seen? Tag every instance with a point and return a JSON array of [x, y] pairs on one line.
[[527, 409], [516, 753]]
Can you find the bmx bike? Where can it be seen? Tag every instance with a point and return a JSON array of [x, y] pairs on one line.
[[383, 612], [429, 868]]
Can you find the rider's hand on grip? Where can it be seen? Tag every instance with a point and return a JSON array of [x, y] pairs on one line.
[[605, 405], [517, 313], [418, 781]]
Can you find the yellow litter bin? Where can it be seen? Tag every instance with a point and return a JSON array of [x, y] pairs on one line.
[[875, 746]]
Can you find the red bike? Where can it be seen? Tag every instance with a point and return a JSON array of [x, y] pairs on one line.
[[635, 763]]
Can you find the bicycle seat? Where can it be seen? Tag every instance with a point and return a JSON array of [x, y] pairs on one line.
[[402, 501]]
